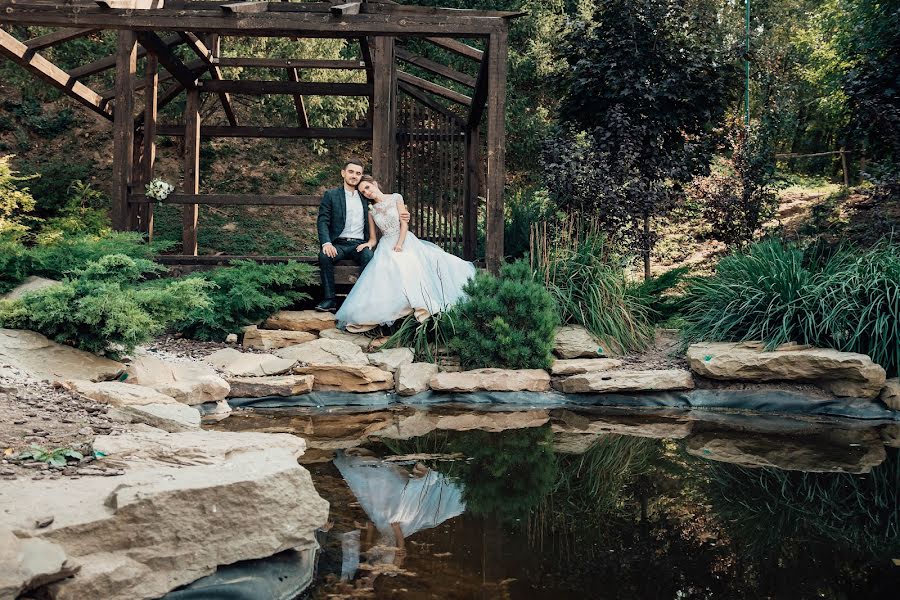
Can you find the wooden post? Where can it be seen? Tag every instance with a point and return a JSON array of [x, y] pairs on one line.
[[151, 92], [470, 203], [191, 171], [844, 167], [384, 130], [496, 149], [123, 127]]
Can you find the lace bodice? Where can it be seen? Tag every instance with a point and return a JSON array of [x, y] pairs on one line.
[[386, 215]]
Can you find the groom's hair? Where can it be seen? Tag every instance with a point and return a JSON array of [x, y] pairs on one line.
[[354, 161]]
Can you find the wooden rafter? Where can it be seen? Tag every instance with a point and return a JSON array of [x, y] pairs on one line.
[[436, 68], [430, 102], [206, 55], [479, 98], [302, 117], [291, 63], [39, 66], [457, 47], [244, 8], [307, 88], [155, 45], [434, 88], [58, 37], [252, 131], [109, 62]]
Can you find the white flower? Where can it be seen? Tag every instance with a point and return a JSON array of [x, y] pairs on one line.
[[159, 190]]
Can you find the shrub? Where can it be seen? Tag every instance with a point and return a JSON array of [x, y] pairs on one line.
[[428, 338], [15, 201], [506, 321], [83, 213], [58, 256], [245, 293], [13, 263], [52, 189], [654, 294]]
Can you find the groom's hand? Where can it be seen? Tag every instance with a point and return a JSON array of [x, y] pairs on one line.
[[361, 246], [329, 250]]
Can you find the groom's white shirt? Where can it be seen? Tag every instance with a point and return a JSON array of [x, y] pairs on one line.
[[353, 226]]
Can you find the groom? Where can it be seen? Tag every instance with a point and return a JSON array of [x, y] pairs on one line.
[[343, 226]]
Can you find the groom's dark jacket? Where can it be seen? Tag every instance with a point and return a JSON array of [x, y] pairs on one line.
[[333, 216]]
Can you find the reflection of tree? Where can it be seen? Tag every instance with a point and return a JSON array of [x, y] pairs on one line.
[[767, 509]]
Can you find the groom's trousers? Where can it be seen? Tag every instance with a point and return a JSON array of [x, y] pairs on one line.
[[346, 250]]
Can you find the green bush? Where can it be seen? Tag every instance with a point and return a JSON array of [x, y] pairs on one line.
[[83, 214], [244, 293], [506, 321], [16, 201], [653, 293], [51, 190], [13, 263], [104, 309], [427, 338], [58, 256]]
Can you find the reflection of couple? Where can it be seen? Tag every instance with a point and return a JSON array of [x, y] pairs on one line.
[[398, 504], [404, 275]]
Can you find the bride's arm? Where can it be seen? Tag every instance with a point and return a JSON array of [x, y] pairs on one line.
[[373, 241], [404, 226]]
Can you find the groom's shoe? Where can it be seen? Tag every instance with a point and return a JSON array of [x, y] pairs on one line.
[[326, 305]]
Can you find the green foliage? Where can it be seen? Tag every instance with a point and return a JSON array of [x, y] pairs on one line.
[[15, 201], [524, 207], [244, 293], [428, 338], [56, 457], [13, 263], [84, 213], [654, 294], [30, 113], [63, 255], [52, 190], [505, 321]]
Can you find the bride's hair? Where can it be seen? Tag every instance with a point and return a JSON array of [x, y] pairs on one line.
[[368, 179]]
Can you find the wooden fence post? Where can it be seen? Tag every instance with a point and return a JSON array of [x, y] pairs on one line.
[[384, 140], [123, 127], [496, 148], [190, 212]]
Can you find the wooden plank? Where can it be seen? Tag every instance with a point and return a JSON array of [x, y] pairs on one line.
[[291, 63], [385, 6], [58, 37], [123, 128], [457, 47], [148, 158], [428, 101], [243, 8], [206, 55], [384, 103], [45, 70], [479, 98], [350, 8], [109, 62], [434, 88], [250, 131], [434, 67], [190, 212], [156, 46], [471, 191], [496, 150], [302, 117], [307, 88], [231, 200]]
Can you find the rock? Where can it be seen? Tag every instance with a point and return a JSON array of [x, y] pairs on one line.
[[377, 343], [890, 394], [348, 378], [413, 378], [277, 385], [27, 563], [574, 341], [646, 426], [829, 453], [272, 339], [231, 338], [354, 338], [221, 411], [577, 366], [119, 394], [32, 283], [168, 417], [186, 503], [189, 383], [606, 382], [244, 364], [42, 359], [325, 352], [300, 320], [404, 427], [493, 380], [391, 359], [842, 373]]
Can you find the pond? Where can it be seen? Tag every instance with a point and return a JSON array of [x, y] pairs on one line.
[[456, 501]]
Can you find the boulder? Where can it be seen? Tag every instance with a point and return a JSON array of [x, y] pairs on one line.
[[168, 417], [186, 503], [392, 358], [844, 374], [574, 341], [116, 393], [348, 378], [890, 394], [493, 380], [300, 320], [32, 283], [189, 383], [413, 378], [42, 359], [277, 385], [28, 563], [245, 364], [577, 366], [325, 352], [354, 338], [607, 382], [272, 339]]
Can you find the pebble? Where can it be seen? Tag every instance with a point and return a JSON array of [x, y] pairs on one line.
[[43, 522], [7, 472], [20, 421]]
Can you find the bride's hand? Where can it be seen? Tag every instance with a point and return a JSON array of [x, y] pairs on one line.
[[361, 246], [398, 248]]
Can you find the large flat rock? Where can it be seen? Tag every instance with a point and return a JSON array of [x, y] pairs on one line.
[[28, 563], [348, 378], [890, 394], [624, 380], [188, 382], [492, 380], [187, 503], [245, 364], [392, 358], [413, 378], [138, 404], [44, 359], [360, 340], [577, 366], [300, 320], [574, 341], [277, 385], [844, 374], [32, 283], [273, 339], [116, 393], [325, 352]]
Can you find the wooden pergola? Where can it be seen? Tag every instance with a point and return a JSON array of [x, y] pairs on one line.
[[408, 114]]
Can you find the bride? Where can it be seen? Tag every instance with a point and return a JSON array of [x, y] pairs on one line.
[[406, 275]]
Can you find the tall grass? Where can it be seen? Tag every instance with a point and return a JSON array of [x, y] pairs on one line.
[[429, 339], [587, 281]]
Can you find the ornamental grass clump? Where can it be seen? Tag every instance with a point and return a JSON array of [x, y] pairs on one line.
[[506, 321]]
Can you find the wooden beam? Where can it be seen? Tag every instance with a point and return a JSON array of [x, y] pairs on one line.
[[231, 199], [430, 102], [434, 88], [244, 8], [190, 212], [432, 67], [471, 193], [206, 55], [123, 128], [39, 66], [131, 4], [58, 37], [291, 63], [148, 157], [302, 117], [457, 47], [156, 46], [307, 88], [384, 140], [249, 131], [109, 62], [350, 8], [479, 98], [196, 65], [496, 150]]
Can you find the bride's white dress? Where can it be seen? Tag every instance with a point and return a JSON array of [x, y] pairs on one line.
[[422, 279]]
